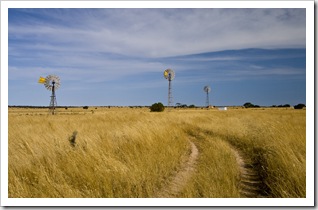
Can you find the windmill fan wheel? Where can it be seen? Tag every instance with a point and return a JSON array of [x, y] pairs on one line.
[[52, 80]]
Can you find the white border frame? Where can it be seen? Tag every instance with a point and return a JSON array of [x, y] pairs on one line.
[[308, 201]]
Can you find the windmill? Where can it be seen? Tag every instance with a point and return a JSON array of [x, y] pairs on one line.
[[169, 75], [51, 83], [207, 89]]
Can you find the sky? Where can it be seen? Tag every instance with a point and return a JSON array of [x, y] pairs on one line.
[[116, 57]]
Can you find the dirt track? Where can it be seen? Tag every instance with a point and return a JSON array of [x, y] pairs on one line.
[[182, 176], [250, 183]]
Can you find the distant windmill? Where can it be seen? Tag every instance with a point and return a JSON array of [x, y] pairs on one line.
[[169, 75], [51, 83], [207, 89]]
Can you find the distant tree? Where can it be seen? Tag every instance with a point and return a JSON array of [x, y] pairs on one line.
[[85, 107], [178, 104], [157, 107], [248, 105], [299, 106], [192, 106], [184, 106], [285, 105]]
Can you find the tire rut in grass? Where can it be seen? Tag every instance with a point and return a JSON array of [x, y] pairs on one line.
[[251, 184], [181, 177]]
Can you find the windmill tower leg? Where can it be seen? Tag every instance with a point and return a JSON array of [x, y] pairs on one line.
[[53, 102], [169, 94], [207, 100]]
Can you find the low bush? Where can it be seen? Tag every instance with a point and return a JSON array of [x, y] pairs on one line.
[[157, 107], [299, 106]]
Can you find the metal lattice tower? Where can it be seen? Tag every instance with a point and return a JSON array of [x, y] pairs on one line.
[[207, 89], [207, 102], [53, 102], [170, 99], [169, 75]]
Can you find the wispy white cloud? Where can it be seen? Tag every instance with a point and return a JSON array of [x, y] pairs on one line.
[[262, 71], [84, 41], [164, 32]]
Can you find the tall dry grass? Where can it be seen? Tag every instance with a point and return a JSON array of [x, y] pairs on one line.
[[134, 153], [275, 139]]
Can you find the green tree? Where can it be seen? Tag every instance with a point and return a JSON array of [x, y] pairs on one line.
[[299, 106], [248, 105], [157, 107]]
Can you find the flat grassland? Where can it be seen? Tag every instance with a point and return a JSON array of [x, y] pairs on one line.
[[135, 153]]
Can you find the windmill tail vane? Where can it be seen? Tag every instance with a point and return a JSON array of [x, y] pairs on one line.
[[42, 80]]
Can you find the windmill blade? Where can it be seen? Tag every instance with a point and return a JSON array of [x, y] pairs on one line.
[[57, 81], [57, 85], [48, 85]]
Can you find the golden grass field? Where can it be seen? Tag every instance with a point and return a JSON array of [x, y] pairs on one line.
[[134, 153]]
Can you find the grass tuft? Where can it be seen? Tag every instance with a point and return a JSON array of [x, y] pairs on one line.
[[72, 139]]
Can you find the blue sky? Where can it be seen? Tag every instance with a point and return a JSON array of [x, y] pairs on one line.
[[117, 56]]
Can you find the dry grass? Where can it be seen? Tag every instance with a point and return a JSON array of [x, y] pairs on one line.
[[123, 152]]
